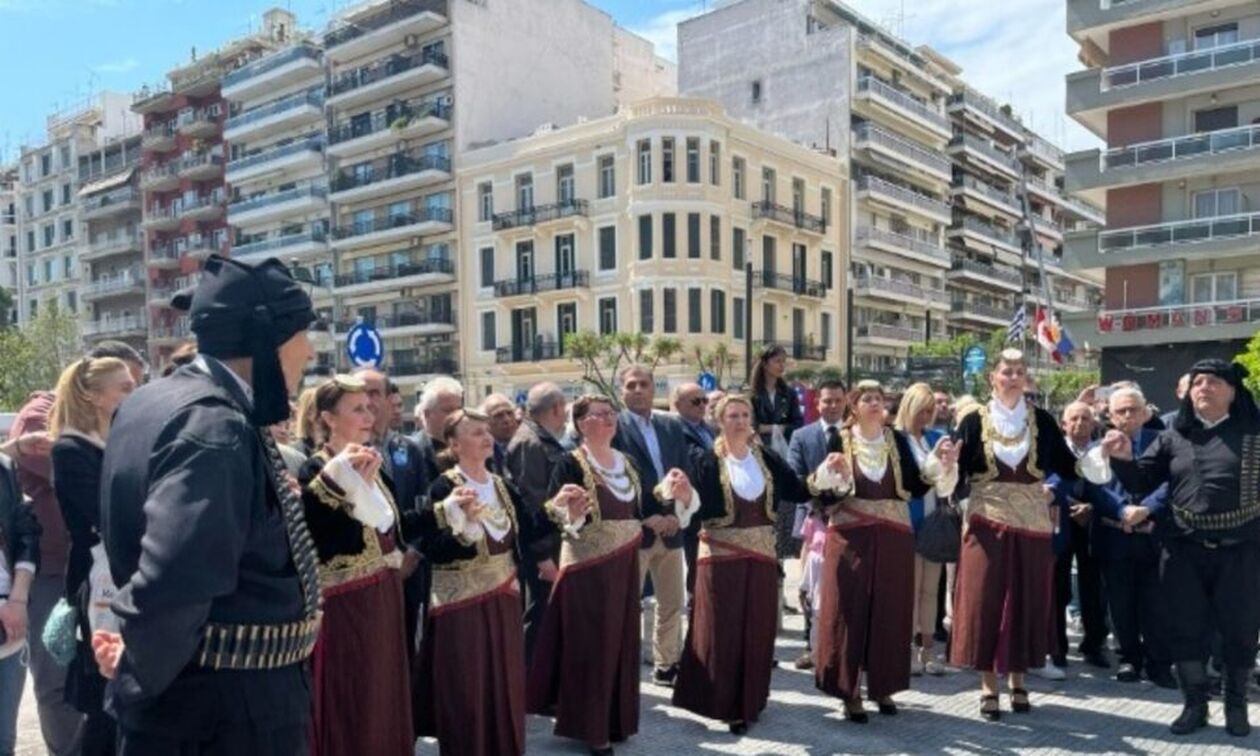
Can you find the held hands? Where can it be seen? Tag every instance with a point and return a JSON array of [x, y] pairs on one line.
[[365, 460], [838, 464], [1117, 445], [947, 452], [547, 571], [108, 649], [1133, 516], [37, 444], [677, 485], [1080, 512], [574, 499]]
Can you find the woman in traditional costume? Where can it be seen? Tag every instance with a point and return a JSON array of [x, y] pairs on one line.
[[470, 675], [361, 695], [865, 620]]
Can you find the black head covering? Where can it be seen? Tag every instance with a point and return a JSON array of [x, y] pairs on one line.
[[1243, 407], [240, 310]]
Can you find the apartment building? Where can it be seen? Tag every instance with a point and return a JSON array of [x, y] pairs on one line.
[[49, 219], [112, 250], [1173, 90], [9, 265], [643, 222], [182, 173]]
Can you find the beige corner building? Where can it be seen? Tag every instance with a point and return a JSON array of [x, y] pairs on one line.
[[643, 222]]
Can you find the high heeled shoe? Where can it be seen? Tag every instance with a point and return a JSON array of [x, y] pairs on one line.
[[991, 713], [1020, 706]]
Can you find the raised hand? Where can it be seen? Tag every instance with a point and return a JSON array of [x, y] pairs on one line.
[[838, 464], [948, 452], [573, 498], [1117, 445], [679, 485]]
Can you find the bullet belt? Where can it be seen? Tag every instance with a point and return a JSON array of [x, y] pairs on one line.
[[256, 647]]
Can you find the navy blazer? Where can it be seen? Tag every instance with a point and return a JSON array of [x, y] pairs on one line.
[[695, 439], [1101, 498], [674, 453], [1111, 542], [806, 451], [405, 469]]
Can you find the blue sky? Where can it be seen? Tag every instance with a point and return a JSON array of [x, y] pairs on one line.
[[56, 52]]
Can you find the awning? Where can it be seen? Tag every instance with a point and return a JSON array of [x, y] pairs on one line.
[[109, 182]]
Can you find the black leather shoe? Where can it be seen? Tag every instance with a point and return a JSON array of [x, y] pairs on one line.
[[1059, 661], [990, 708], [1162, 677], [1098, 659], [605, 751], [1019, 701], [888, 708], [1128, 673], [856, 715], [1236, 723], [738, 728], [1194, 716], [1192, 719], [665, 677]]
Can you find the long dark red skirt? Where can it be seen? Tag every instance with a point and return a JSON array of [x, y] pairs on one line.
[[470, 675], [725, 669], [362, 694], [1003, 600], [586, 662], [866, 611]]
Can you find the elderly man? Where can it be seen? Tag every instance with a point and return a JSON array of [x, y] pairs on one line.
[[440, 398], [691, 405], [503, 425], [532, 455]]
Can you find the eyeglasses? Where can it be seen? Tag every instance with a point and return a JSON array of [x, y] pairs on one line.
[[699, 401], [603, 416]]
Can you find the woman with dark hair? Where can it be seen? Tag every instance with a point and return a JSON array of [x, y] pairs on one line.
[[470, 674], [361, 696]]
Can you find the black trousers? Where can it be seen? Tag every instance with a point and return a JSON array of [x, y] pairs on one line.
[[415, 602], [228, 740], [1136, 603], [1089, 587], [1210, 588], [536, 593]]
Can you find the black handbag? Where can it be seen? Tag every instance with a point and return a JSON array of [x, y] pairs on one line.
[[939, 537]]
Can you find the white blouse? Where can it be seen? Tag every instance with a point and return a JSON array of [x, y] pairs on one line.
[[873, 448], [1011, 422], [488, 497], [747, 480]]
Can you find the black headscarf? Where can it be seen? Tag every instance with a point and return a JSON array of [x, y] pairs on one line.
[[1243, 407], [240, 310]]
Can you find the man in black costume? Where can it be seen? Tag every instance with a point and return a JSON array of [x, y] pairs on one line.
[[1209, 528], [218, 591]]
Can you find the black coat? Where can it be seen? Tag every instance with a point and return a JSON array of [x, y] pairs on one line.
[[442, 547], [532, 456], [675, 453], [21, 530], [76, 465], [781, 409]]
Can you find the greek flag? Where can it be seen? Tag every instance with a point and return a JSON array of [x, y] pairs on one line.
[[1015, 330]]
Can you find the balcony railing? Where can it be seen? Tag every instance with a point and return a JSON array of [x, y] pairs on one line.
[[397, 365], [177, 330], [391, 14], [797, 350], [789, 216], [381, 120], [984, 148], [904, 288], [393, 220], [397, 270], [194, 116], [988, 231], [981, 309], [270, 63], [1182, 147], [903, 100], [392, 167], [203, 201], [989, 271], [198, 160], [163, 252], [106, 243], [160, 132], [1039, 146], [867, 133], [532, 216], [160, 171], [126, 279], [400, 320], [313, 97], [289, 240], [909, 196], [974, 99], [116, 197], [796, 284], [314, 144], [1181, 64], [266, 200], [868, 234], [535, 352], [114, 325], [893, 332], [1180, 232], [384, 69], [970, 182], [578, 279], [1198, 315]]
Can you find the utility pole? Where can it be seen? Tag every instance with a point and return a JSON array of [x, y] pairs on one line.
[[748, 308]]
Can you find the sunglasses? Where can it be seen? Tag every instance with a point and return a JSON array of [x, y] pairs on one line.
[[699, 401]]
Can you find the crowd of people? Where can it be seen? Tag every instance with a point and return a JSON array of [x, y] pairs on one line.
[[222, 561]]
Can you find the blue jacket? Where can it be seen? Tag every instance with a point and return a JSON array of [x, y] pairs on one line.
[[916, 504], [1102, 498], [1113, 543]]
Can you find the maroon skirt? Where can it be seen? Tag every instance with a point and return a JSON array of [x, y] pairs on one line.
[[585, 669], [470, 675], [725, 669], [866, 611], [361, 689], [1003, 600]]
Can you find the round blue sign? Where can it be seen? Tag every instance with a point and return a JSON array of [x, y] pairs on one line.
[[364, 346], [974, 360], [707, 381]]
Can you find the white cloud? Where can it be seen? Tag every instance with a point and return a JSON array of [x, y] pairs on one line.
[[116, 66], [662, 30]]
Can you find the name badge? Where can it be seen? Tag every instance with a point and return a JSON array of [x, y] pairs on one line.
[[400, 456]]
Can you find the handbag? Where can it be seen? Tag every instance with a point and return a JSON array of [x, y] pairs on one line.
[[939, 537], [61, 632]]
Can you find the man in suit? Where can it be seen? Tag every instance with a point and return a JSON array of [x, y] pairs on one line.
[[503, 424], [691, 405], [806, 451], [531, 456], [441, 397], [657, 444]]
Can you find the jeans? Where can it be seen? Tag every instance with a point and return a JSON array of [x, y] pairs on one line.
[[61, 725], [12, 681]]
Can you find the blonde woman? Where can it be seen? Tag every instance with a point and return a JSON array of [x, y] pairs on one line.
[[88, 392]]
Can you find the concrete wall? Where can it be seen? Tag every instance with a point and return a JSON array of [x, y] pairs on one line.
[[1138, 123], [638, 72], [805, 77], [1136, 43], [1132, 286]]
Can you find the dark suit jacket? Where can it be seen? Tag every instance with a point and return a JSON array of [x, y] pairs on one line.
[[1067, 490], [695, 439], [674, 453], [406, 469], [1113, 543], [532, 456], [806, 451]]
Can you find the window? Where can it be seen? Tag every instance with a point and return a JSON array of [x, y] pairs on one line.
[[1214, 287], [72, 301], [737, 317], [798, 196], [669, 310], [30, 274], [29, 202], [715, 237], [827, 272], [525, 192], [824, 325], [645, 161], [487, 266], [669, 236], [48, 270], [667, 160], [30, 241], [693, 236], [50, 234], [1216, 119], [399, 212], [45, 164], [566, 322], [695, 304], [693, 160], [645, 237], [564, 184], [488, 332], [485, 201], [645, 311], [717, 311], [566, 255], [715, 158], [363, 221], [737, 177], [65, 194], [1217, 202], [608, 248], [756, 91], [1215, 36], [65, 158], [798, 264], [768, 318], [824, 200], [739, 248], [767, 185], [67, 266], [47, 204], [34, 308], [67, 229], [607, 177], [607, 315], [769, 257]]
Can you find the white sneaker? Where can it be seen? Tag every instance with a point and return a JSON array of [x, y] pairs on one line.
[[916, 662], [1049, 672], [931, 667]]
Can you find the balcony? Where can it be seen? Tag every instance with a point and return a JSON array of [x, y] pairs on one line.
[[199, 123], [795, 284], [1235, 319], [404, 323], [285, 114], [537, 351], [295, 156], [159, 218], [873, 188], [971, 188], [984, 236], [904, 292], [1171, 159], [1038, 150], [153, 98], [200, 167], [130, 325], [386, 78], [412, 368], [385, 127], [126, 199], [169, 334], [415, 272], [995, 160], [159, 138], [272, 72], [203, 208], [160, 178], [881, 334], [1204, 238], [913, 247], [789, 216], [108, 245], [903, 57], [1093, 19], [539, 214], [389, 25], [393, 227], [200, 246], [918, 113], [265, 207], [986, 113], [127, 282], [797, 350], [163, 256], [395, 173], [985, 274], [901, 154], [980, 313], [516, 287], [289, 246]]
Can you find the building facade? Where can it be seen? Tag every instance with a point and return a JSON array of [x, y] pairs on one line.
[[1173, 89], [643, 222], [9, 265], [112, 253]]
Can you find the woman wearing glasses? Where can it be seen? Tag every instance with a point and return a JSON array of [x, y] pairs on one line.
[[585, 669]]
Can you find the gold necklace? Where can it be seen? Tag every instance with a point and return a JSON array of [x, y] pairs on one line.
[[876, 460], [1005, 440]]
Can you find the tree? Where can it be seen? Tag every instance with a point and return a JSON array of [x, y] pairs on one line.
[[6, 307], [1249, 358], [603, 356], [1059, 387], [32, 358], [717, 361]]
